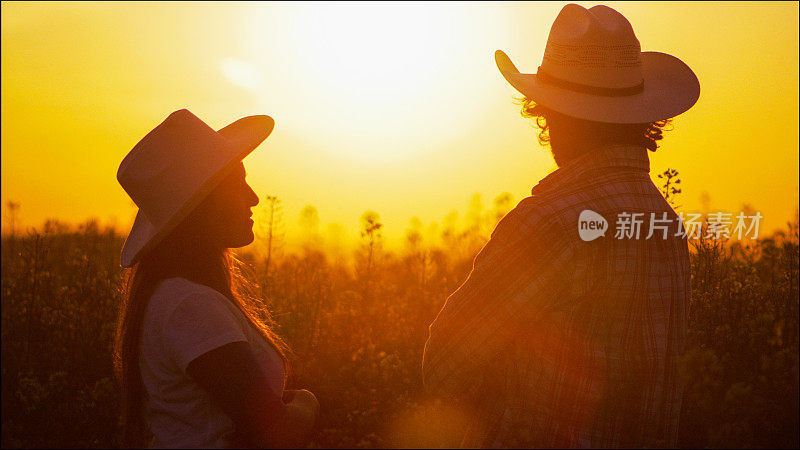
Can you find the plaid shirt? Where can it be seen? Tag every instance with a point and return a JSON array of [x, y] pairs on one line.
[[554, 341]]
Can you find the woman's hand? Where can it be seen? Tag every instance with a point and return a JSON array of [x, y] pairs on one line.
[[234, 380], [302, 399], [294, 427]]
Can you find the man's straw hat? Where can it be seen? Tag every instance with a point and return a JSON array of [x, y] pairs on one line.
[[593, 69]]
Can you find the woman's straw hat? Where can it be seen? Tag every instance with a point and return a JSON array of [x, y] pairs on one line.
[[593, 69], [174, 167]]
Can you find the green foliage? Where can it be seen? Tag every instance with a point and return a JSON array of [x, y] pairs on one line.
[[358, 336], [59, 297], [740, 369], [669, 189]]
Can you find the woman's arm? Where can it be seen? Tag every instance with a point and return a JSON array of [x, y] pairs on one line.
[[233, 378]]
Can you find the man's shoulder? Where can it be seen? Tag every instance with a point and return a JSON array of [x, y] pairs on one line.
[[564, 207], [532, 215]]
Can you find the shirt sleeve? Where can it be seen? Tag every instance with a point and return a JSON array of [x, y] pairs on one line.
[[518, 274], [200, 322]]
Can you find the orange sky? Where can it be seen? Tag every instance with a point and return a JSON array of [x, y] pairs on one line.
[[393, 108]]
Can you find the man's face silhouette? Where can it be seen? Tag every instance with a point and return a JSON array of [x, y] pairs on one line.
[[565, 138], [570, 138]]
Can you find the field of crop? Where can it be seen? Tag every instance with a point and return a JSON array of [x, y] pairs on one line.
[[357, 324]]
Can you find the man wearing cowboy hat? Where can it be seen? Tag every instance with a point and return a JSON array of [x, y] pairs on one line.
[[565, 335]]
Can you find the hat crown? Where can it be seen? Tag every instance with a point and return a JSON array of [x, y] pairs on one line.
[[594, 47], [168, 165]]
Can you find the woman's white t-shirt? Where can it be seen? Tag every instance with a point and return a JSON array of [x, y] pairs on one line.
[[183, 321]]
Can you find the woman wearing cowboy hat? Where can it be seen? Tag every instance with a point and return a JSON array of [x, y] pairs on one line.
[[556, 339], [198, 365]]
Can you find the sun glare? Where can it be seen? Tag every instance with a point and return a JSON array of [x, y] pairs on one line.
[[378, 49], [370, 72], [240, 73]]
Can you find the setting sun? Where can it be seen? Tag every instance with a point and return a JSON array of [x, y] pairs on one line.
[[371, 76]]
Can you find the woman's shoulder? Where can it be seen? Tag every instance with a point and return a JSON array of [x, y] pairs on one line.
[[185, 320], [174, 292], [182, 286]]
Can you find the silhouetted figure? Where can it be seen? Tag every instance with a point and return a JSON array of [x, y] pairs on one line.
[[197, 365], [567, 332]]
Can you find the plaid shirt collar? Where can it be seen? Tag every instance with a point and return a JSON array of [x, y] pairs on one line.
[[631, 156]]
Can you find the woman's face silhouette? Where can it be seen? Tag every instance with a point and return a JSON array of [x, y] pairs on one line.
[[224, 216]]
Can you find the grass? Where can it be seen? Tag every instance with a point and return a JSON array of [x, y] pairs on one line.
[[357, 326]]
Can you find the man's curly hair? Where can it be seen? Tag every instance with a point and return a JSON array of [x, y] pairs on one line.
[[593, 134]]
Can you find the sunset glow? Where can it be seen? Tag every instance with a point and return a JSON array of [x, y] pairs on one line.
[[387, 107], [335, 224]]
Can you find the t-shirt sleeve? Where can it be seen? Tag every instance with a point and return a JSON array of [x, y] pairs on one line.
[[201, 322]]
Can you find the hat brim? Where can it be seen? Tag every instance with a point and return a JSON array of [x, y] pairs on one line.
[[670, 88], [243, 136]]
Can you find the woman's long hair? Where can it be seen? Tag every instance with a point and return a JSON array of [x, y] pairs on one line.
[[183, 253]]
